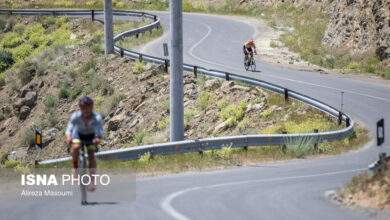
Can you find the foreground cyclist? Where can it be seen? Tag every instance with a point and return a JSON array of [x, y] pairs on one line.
[[248, 50], [85, 125]]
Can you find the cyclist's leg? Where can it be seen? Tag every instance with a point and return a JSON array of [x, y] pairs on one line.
[[76, 144], [245, 55]]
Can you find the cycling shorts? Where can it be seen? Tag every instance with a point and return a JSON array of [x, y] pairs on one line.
[[77, 138], [249, 49]]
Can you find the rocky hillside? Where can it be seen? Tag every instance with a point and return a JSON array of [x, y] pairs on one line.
[[362, 26]]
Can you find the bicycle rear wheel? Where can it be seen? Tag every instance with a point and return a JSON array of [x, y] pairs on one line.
[[246, 66]]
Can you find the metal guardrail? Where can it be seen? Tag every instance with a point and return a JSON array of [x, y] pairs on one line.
[[207, 143]]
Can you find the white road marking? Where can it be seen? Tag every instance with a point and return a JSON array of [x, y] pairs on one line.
[[167, 206]]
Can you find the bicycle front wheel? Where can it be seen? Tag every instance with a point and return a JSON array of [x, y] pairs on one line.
[[253, 66]]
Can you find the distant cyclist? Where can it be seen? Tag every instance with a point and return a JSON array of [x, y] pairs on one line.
[[248, 50], [85, 125]]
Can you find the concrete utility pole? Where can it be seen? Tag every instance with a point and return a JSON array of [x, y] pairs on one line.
[[176, 74], [108, 27]]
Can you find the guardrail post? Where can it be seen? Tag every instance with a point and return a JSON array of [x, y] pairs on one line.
[[316, 144], [137, 35], [340, 120], [93, 15], [286, 95], [166, 65], [122, 52], [140, 57], [227, 76], [54, 13], [284, 147], [155, 18], [201, 153], [196, 71], [10, 12], [348, 122]]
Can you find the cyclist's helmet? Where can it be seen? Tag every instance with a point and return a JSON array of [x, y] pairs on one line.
[[250, 41], [85, 101]]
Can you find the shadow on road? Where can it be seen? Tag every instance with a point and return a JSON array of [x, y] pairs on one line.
[[102, 203]]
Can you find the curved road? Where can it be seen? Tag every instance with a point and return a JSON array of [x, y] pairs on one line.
[[281, 190]]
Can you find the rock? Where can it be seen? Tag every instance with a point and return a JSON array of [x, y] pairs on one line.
[[212, 84], [249, 108], [226, 86], [275, 108], [135, 122], [259, 106], [242, 88], [24, 112], [73, 36], [30, 99], [222, 127], [48, 136], [114, 123], [291, 62]]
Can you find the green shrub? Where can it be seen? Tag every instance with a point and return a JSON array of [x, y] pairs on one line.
[[11, 163], [139, 136], [203, 100], [62, 20], [28, 138], [91, 64], [27, 71], [354, 65], [21, 52], [232, 111], [37, 40], [62, 4], [164, 123], [144, 159], [6, 59], [11, 40], [370, 68], [64, 93], [2, 24], [2, 117], [50, 102], [2, 82], [300, 148], [165, 105], [222, 104], [4, 158], [138, 67], [35, 29], [50, 20], [53, 118], [273, 44], [265, 114], [18, 28], [232, 121], [187, 6]]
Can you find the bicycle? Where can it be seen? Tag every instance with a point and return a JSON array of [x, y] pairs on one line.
[[83, 171], [250, 64]]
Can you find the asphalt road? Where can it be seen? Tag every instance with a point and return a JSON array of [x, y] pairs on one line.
[[281, 190]]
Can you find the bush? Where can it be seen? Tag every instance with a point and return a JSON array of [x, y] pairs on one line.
[[21, 52], [37, 40], [35, 29], [62, 20], [265, 114], [11, 40], [91, 64], [2, 117], [138, 67], [18, 28], [222, 104], [53, 119], [164, 123], [2, 82], [354, 65], [203, 100], [64, 93], [187, 6], [63, 4], [28, 138], [4, 158], [6, 60], [27, 71], [139, 136], [50, 102]]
